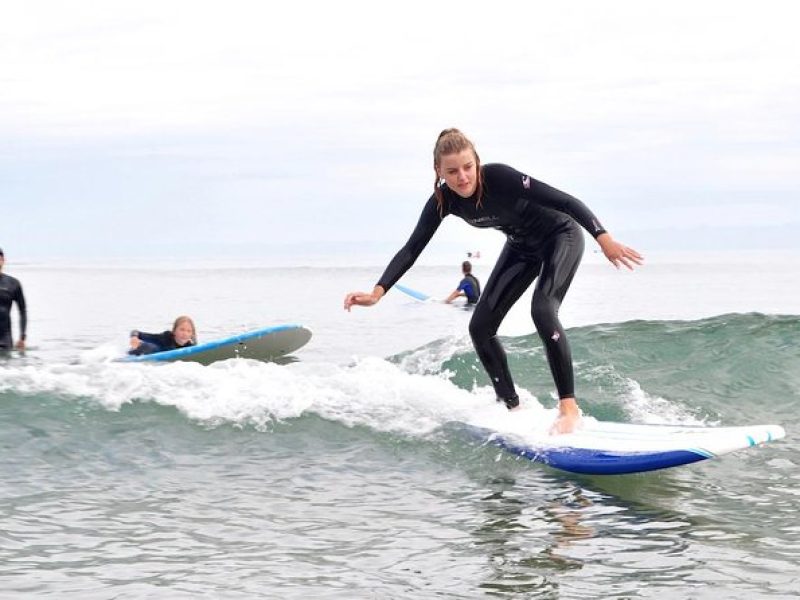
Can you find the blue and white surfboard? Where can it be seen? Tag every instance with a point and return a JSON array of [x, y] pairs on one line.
[[412, 292], [606, 448], [267, 343]]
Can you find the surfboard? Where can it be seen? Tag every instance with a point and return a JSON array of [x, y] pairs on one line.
[[606, 448], [412, 292], [268, 343]]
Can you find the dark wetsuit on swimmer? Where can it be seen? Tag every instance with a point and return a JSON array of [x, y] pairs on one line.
[[544, 240], [471, 288], [156, 342], [10, 292]]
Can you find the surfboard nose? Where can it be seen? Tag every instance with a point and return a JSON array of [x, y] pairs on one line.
[[773, 432]]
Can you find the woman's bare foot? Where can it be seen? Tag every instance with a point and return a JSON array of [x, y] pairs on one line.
[[569, 417]]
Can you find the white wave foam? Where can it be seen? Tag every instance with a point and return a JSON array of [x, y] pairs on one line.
[[641, 406], [649, 409], [429, 359], [372, 393]]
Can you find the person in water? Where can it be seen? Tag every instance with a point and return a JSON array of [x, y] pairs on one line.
[[469, 286], [183, 335], [544, 242], [10, 292]]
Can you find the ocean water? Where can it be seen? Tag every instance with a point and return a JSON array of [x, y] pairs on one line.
[[348, 473]]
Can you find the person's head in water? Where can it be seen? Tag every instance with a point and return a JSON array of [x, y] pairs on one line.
[[466, 267], [2, 259], [457, 164], [183, 331]]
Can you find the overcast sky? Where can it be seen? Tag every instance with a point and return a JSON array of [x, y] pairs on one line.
[[158, 128]]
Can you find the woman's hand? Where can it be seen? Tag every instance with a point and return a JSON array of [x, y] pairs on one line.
[[363, 298], [618, 253]]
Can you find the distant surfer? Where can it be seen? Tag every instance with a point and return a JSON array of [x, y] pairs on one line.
[[10, 292], [183, 335], [544, 240], [468, 287]]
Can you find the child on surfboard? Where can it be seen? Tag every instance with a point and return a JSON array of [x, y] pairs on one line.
[[183, 335], [544, 241]]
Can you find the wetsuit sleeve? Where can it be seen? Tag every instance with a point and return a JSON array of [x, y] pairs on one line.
[[19, 298], [427, 225], [523, 186], [152, 338], [553, 198]]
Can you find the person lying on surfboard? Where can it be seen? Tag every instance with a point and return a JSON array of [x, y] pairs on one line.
[[544, 240], [183, 335]]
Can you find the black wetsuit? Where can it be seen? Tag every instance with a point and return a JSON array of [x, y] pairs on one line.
[[11, 291], [471, 288], [544, 239], [156, 342]]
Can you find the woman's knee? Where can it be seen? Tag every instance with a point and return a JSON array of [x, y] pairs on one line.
[[481, 328], [544, 311]]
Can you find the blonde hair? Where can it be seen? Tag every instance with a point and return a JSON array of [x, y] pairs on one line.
[[184, 319], [452, 141]]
